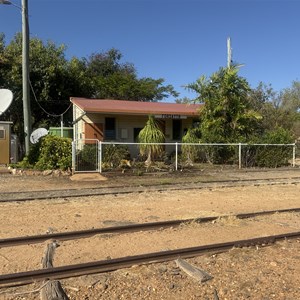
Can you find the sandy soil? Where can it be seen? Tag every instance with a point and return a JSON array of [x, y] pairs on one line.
[[252, 273]]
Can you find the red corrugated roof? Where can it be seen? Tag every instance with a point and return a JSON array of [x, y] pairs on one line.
[[135, 107]]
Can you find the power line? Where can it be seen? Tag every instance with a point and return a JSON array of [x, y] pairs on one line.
[[44, 110]]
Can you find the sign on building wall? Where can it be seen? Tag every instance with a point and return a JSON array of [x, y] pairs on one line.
[[166, 116]]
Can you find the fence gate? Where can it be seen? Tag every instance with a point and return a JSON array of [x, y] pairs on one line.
[[86, 155]]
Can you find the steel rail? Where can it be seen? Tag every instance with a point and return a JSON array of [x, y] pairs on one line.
[[63, 236], [68, 193], [125, 262], [153, 185]]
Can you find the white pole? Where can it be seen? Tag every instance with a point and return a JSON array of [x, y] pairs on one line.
[[240, 155], [229, 53], [294, 156], [176, 156], [61, 125], [73, 156], [100, 156]]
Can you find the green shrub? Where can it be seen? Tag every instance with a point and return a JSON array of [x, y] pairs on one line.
[[150, 138], [55, 153], [191, 153], [220, 154], [88, 157], [270, 156], [34, 153], [24, 164], [113, 154]]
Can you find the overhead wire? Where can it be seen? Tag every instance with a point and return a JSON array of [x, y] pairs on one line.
[[44, 110]]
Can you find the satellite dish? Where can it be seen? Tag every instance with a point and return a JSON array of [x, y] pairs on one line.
[[37, 134], [6, 97]]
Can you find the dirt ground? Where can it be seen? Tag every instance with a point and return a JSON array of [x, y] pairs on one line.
[[250, 273]]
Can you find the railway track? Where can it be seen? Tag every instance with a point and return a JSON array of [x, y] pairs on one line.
[[85, 192], [71, 235], [123, 262], [101, 266]]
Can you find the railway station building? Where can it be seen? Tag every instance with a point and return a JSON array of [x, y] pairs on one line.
[[121, 121]]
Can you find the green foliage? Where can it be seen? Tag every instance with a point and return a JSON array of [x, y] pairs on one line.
[[111, 158], [50, 153], [226, 115], [291, 105], [291, 97], [270, 156], [24, 164], [112, 79], [88, 157], [54, 79], [277, 109], [151, 133], [34, 153], [55, 153], [278, 135], [113, 154], [191, 152]]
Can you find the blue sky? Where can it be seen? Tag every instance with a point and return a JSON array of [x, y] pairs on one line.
[[178, 40]]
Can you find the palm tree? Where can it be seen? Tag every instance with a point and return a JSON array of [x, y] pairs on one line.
[[150, 137], [227, 115]]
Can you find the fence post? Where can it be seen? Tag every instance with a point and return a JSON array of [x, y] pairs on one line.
[[240, 155], [100, 156], [73, 156], [294, 155], [176, 156]]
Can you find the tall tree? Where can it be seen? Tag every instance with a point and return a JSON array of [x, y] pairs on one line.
[[278, 109], [227, 115], [113, 79], [290, 103], [54, 79], [291, 97], [49, 82]]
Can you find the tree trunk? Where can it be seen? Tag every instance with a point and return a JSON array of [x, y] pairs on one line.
[[53, 289]]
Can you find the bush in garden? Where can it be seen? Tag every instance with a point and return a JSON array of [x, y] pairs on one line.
[[34, 153], [275, 156], [150, 137], [113, 154], [270, 156], [191, 153], [54, 153], [88, 156]]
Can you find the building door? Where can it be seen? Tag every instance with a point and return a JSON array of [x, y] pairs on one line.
[[93, 131], [110, 129]]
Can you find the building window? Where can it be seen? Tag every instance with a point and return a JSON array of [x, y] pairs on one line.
[[176, 130], [110, 128], [2, 134]]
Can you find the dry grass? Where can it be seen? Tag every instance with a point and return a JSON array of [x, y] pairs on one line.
[[229, 221]]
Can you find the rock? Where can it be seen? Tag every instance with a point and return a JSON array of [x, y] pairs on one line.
[[47, 172], [162, 268], [56, 173], [171, 286]]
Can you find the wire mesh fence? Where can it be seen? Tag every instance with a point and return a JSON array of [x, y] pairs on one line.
[[86, 155], [97, 156]]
